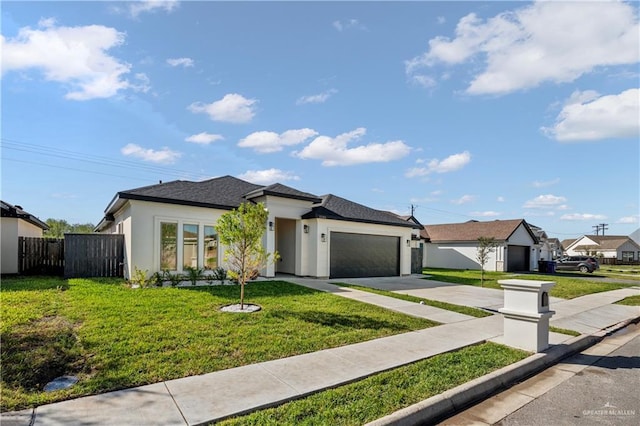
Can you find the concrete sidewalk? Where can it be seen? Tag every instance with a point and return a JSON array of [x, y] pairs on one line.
[[214, 396]]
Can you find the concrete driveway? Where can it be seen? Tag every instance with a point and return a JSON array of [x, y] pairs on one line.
[[458, 294]]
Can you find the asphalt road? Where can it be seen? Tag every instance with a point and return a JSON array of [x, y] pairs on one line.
[[605, 393]]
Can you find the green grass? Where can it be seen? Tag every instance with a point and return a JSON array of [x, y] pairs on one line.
[[563, 331], [630, 301], [623, 272], [376, 396], [466, 310], [567, 286], [114, 337]]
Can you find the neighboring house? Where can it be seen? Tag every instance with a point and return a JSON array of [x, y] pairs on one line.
[[548, 248], [566, 243], [455, 245], [635, 236], [171, 226], [14, 223], [620, 247]]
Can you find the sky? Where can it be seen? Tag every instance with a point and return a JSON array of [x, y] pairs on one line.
[[456, 111]]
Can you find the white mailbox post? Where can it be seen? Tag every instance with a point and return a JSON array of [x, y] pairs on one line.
[[526, 313]]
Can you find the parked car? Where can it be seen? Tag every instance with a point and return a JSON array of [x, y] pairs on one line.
[[577, 263]]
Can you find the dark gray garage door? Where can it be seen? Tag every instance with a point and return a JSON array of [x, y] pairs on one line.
[[518, 258], [358, 255]]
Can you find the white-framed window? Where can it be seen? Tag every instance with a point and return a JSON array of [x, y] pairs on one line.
[[168, 246], [190, 245], [182, 244], [210, 247]]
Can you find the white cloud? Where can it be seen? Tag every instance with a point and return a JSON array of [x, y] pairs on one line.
[[628, 219], [204, 138], [349, 24], [541, 42], [138, 7], [450, 164], [542, 184], [488, 213], [545, 202], [335, 152], [182, 62], [265, 142], [500, 199], [267, 177], [163, 156], [316, 99], [464, 199], [232, 108], [74, 56], [441, 20], [588, 116], [582, 217]]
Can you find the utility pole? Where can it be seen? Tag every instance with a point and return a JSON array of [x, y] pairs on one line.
[[604, 226], [600, 226], [413, 209]]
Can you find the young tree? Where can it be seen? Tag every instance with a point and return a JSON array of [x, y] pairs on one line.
[[241, 231], [486, 246]]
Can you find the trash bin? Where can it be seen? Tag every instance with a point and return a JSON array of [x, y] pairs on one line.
[[551, 267], [542, 266]]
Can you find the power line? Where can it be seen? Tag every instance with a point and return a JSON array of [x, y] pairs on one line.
[[14, 145]]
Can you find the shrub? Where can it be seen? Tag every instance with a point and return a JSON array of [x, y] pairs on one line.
[[219, 274], [194, 274]]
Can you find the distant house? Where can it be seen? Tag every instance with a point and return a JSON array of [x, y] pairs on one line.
[[619, 247], [548, 248], [171, 226], [14, 223], [455, 245]]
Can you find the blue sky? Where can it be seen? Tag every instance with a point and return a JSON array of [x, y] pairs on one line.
[[465, 110]]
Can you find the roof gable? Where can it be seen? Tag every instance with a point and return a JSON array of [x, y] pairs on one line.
[[500, 230], [334, 207], [284, 191], [604, 242]]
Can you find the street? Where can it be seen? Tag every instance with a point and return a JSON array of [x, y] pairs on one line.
[[599, 386]]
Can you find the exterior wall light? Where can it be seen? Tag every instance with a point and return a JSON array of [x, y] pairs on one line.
[[408, 243], [323, 238], [270, 226], [306, 229]]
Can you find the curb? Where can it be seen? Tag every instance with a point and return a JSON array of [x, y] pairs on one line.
[[441, 406]]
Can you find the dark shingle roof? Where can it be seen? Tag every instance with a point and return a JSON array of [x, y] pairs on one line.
[[9, 210], [228, 192], [284, 191], [334, 207], [225, 192], [501, 230]]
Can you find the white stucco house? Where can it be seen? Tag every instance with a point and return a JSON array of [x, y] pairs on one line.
[[14, 223], [171, 226], [455, 245], [620, 247]]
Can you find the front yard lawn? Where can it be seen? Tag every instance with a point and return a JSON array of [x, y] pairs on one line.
[[567, 286], [113, 337]]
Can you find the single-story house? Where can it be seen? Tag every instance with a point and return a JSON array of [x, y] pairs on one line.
[[14, 223], [619, 247], [171, 226], [455, 245]]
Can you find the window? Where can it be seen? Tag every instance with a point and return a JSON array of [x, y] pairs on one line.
[[210, 248], [190, 246], [168, 246], [627, 256]]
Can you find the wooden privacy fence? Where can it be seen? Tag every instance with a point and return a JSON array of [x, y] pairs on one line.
[[75, 256], [42, 256], [93, 255]]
